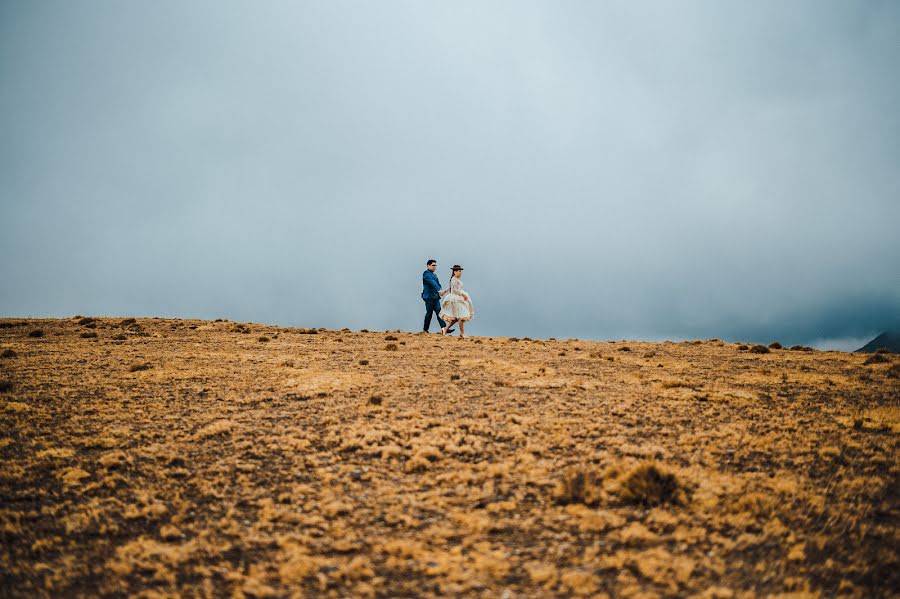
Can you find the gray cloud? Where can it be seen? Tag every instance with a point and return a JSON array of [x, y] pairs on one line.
[[604, 170]]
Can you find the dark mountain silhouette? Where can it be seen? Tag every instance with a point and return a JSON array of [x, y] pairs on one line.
[[889, 340]]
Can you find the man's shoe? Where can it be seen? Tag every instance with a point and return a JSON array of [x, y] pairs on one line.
[[449, 331]]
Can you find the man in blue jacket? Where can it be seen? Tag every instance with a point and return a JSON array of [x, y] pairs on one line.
[[431, 295]]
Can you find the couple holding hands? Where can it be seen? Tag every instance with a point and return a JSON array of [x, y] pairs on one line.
[[456, 306]]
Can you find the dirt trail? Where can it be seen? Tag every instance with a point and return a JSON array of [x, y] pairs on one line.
[[198, 458]]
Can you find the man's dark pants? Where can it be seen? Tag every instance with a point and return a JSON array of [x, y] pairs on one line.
[[433, 305]]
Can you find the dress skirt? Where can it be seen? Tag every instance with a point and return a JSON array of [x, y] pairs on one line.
[[455, 307]]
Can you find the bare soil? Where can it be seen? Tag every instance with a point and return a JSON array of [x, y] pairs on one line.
[[197, 458]]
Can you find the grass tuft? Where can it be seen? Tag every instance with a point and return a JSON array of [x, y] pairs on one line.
[[877, 359], [578, 485], [759, 349], [138, 366], [648, 484], [390, 347], [36, 333]]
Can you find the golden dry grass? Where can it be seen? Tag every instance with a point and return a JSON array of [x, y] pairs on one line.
[[172, 457]]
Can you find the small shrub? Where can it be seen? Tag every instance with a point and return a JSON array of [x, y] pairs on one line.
[[877, 359], [390, 347], [138, 366], [648, 484], [85, 320], [364, 330], [624, 348], [759, 349], [375, 400], [562, 353], [6, 325], [263, 339], [89, 335], [610, 359], [578, 485], [882, 350], [677, 384], [893, 372], [127, 321], [454, 377], [390, 338], [307, 332], [6, 386], [363, 362], [775, 345], [120, 337], [36, 333], [239, 328], [8, 353], [297, 397], [800, 348], [742, 347]]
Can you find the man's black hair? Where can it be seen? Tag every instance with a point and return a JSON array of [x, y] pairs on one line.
[[430, 262]]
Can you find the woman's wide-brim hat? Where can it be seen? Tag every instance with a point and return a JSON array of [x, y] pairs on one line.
[[456, 267]]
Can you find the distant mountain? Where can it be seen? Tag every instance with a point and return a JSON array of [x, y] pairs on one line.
[[888, 339]]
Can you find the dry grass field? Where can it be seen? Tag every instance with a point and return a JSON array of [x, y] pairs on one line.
[[193, 458]]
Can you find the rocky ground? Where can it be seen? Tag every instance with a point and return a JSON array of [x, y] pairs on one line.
[[158, 457]]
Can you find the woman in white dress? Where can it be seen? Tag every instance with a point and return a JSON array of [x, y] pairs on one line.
[[456, 306]]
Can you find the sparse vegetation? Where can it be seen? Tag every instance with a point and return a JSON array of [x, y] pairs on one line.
[[263, 339], [390, 338], [8, 353], [775, 345], [759, 349], [36, 333], [390, 347], [138, 366], [228, 471], [6, 386], [88, 335]]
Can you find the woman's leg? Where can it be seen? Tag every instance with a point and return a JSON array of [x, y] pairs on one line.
[[450, 322], [462, 329]]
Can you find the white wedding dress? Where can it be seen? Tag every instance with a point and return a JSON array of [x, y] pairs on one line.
[[455, 305]]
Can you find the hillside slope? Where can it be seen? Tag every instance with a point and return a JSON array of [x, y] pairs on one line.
[[889, 340], [214, 458]]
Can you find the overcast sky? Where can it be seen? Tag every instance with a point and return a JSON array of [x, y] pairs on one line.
[[603, 170]]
